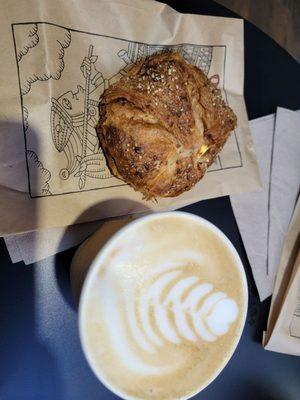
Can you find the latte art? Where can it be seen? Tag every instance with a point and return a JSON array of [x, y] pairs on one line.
[[183, 308], [164, 309]]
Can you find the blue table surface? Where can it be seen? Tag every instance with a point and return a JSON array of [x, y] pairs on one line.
[[41, 356]]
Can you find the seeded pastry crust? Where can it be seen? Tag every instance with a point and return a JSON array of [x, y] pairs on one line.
[[162, 125]]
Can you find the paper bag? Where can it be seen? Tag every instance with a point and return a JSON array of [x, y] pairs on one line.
[[52, 170], [283, 331]]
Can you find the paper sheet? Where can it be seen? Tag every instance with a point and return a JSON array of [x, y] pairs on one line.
[[263, 217], [283, 331], [34, 246], [51, 167], [285, 182]]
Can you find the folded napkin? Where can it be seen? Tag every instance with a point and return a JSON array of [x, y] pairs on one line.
[[263, 217], [37, 245]]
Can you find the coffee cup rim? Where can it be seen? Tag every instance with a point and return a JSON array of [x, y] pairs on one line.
[[96, 265]]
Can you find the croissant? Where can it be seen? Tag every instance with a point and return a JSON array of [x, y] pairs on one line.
[[162, 125]]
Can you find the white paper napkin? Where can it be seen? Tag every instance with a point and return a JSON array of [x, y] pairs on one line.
[[263, 217], [37, 245]]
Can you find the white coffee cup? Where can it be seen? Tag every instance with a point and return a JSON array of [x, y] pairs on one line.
[[88, 262]]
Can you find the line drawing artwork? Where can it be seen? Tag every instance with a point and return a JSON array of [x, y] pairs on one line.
[[43, 175], [73, 128], [60, 95]]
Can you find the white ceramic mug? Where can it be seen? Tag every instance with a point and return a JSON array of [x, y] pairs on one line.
[[87, 262]]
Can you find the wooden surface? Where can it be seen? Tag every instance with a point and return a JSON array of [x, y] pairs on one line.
[[280, 19]]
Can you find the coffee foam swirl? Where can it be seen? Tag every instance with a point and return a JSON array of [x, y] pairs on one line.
[[167, 307], [211, 313], [166, 302]]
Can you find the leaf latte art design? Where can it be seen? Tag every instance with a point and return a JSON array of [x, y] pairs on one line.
[[166, 307], [174, 308]]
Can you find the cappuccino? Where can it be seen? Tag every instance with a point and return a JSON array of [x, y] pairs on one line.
[[163, 307]]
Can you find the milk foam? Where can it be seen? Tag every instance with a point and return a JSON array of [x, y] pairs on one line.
[[167, 307], [166, 303]]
